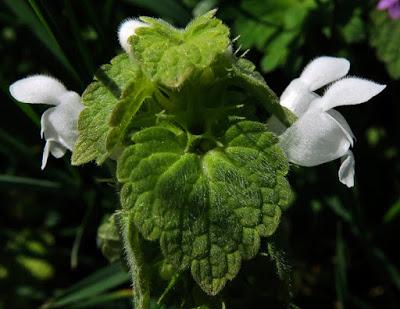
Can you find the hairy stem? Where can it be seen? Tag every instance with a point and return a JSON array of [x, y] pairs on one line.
[[136, 262]]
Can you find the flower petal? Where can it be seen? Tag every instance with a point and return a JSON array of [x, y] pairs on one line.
[[324, 70], [314, 139], [59, 124], [45, 156], [342, 123], [127, 29], [297, 97], [350, 91], [385, 4], [346, 171], [57, 150], [394, 11], [37, 89]]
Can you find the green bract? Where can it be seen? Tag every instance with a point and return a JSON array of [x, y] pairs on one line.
[[168, 55], [182, 116]]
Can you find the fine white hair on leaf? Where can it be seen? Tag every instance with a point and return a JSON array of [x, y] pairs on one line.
[[126, 29], [39, 89]]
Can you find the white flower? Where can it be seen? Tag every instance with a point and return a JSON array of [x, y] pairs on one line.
[[126, 29], [59, 123], [321, 134]]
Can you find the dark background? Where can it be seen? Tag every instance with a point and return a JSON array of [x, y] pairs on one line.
[[342, 242]]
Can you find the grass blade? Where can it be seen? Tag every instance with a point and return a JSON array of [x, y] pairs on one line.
[[83, 50], [104, 298], [392, 213], [341, 268], [26, 108], [28, 182], [31, 16], [90, 202], [105, 279]]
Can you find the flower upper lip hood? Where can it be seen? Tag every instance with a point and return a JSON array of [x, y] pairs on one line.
[[126, 29], [318, 73], [58, 123], [321, 134]]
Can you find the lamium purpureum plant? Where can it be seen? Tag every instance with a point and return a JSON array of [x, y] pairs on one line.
[[202, 176]]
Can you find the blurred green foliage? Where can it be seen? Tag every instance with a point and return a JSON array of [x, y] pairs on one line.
[[342, 243]]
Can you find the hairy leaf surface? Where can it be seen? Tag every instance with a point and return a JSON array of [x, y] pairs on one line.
[[244, 72], [100, 99], [168, 55], [207, 210]]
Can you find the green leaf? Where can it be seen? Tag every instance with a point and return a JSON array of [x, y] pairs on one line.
[[210, 209], [279, 257], [385, 37], [108, 240], [354, 31], [244, 72], [168, 55], [100, 98], [132, 98]]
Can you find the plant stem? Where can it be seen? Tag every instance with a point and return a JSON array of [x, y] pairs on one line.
[[136, 262]]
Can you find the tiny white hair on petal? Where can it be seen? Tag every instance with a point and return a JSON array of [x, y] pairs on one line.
[[323, 71], [350, 91], [346, 170], [126, 29], [39, 89]]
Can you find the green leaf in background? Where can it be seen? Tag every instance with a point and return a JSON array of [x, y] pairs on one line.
[[100, 98], [385, 37], [31, 15], [355, 30], [341, 268], [169, 9], [168, 55], [108, 240], [271, 27], [279, 257], [204, 6], [208, 210], [393, 212]]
